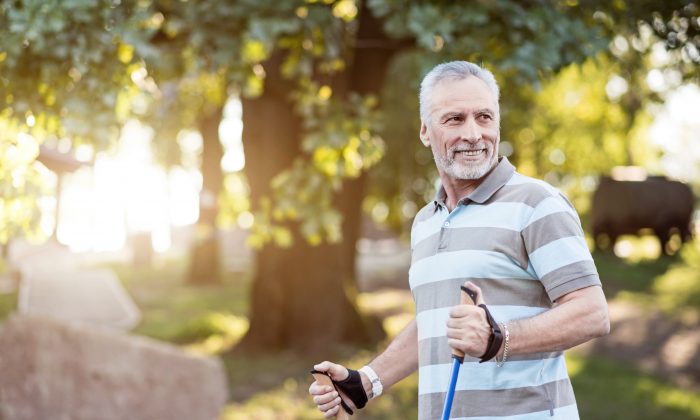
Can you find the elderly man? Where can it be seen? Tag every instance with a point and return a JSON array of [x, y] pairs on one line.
[[514, 239]]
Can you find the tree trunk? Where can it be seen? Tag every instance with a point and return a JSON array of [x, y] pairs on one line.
[[204, 259], [303, 297]]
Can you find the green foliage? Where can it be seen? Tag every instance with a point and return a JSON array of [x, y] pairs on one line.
[[341, 142], [573, 131], [79, 69], [521, 41], [20, 182], [67, 63], [234, 202], [214, 48]]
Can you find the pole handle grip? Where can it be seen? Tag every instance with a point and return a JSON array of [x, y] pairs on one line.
[[468, 296], [324, 379]]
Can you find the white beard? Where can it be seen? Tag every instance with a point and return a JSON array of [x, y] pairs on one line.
[[458, 170]]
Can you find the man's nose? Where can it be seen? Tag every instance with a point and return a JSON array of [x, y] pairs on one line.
[[470, 130]]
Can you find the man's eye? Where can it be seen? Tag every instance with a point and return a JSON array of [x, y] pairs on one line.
[[456, 118]]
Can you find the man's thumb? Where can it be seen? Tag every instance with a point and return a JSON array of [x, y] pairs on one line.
[[336, 371]]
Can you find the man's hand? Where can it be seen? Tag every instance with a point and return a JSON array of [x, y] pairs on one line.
[[325, 397], [468, 330]]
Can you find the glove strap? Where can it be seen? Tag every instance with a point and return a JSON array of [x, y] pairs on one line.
[[496, 338]]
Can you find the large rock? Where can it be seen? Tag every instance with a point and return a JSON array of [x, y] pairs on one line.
[[52, 370]]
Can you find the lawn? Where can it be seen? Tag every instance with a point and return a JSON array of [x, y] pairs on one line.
[[670, 283]]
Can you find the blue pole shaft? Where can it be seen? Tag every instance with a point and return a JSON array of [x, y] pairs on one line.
[[456, 363]]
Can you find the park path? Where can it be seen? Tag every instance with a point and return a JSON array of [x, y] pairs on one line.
[[55, 282]]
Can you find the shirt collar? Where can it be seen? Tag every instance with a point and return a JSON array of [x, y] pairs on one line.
[[488, 187]]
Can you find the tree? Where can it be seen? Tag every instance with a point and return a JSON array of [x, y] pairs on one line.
[[420, 28], [311, 74]]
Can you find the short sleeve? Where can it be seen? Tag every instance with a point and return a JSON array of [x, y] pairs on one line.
[[556, 248]]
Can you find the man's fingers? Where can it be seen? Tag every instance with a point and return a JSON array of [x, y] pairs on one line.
[[456, 344], [454, 333], [320, 400], [459, 322], [461, 311], [319, 389], [337, 372], [323, 366], [329, 405], [332, 412]]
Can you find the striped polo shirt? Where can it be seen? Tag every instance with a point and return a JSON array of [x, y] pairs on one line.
[[520, 240]]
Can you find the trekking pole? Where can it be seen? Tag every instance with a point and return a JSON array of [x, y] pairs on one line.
[[467, 297]]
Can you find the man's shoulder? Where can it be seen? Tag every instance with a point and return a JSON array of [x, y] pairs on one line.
[[528, 190], [531, 184]]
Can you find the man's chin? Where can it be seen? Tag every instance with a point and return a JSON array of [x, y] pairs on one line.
[[469, 173]]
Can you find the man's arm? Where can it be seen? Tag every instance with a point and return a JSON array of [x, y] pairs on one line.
[[577, 317], [399, 360]]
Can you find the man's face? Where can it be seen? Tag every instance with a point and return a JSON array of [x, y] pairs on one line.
[[462, 128]]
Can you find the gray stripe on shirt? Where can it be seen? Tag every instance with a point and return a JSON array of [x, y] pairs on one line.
[[437, 351], [503, 402], [505, 241], [518, 292]]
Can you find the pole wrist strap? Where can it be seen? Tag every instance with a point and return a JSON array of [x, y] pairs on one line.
[[496, 338]]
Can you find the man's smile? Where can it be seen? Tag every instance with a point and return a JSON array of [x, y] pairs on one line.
[[468, 154], [474, 152]]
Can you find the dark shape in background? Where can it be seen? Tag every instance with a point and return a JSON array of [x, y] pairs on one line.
[[626, 207]]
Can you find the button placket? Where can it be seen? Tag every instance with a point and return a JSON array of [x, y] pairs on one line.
[[444, 234]]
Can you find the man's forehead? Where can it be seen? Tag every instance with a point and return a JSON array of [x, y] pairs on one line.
[[470, 90]]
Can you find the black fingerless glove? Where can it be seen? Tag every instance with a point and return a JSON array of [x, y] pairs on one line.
[[352, 387]]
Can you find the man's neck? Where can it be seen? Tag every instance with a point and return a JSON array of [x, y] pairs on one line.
[[457, 189]]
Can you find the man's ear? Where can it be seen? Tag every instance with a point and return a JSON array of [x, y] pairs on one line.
[[424, 138]]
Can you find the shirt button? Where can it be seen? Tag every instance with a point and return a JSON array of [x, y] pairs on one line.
[[447, 224]]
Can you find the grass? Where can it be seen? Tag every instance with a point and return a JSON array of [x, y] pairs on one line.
[[8, 304], [620, 274], [8, 301], [175, 311], [669, 283], [608, 390]]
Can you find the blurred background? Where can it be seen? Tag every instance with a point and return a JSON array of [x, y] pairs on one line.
[[236, 181]]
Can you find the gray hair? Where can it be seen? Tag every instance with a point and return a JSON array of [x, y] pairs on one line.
[[454, 70]]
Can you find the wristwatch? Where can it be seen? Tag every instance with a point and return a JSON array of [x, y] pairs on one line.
[[377, 387]]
